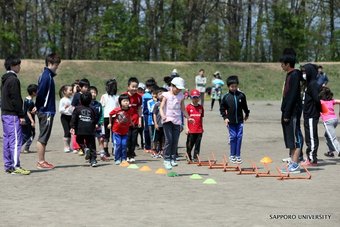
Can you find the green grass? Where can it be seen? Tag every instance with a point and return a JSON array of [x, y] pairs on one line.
[[259, 81]]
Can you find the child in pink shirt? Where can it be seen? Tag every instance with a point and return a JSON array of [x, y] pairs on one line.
[[330, 120]]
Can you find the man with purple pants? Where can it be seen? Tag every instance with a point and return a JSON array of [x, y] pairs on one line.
[[12, 116]]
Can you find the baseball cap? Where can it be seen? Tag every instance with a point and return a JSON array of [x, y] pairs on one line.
[[195, 93], [141, 85], [178, 82]]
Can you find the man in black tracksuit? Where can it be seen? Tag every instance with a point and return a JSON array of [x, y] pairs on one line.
[[311, 113]]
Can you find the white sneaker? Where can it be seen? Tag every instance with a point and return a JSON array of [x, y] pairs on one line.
[[167, 165], [128, 159], [132, 160], [288, 160], [173, 163]]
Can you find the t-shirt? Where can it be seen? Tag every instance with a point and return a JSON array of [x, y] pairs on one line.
[[28, 107], [135, 104], [151, 103], [327, 108], [109, 102], [121, 120], [172, 108], [200, 82], [65, 106], [197, 113], [158, 115], [83, 120]]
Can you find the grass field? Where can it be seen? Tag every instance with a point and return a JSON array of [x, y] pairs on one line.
[[260, 81]]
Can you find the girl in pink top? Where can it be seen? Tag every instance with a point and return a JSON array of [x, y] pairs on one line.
[[171, 109], [330, 120]]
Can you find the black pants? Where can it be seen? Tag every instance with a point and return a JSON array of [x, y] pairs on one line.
[[158, 139], [65, 122], [312, 138], [213, 102], [132, 141], [88, 141], [194, 139]]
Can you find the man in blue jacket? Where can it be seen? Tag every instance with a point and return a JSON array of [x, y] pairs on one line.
[[45, 104]]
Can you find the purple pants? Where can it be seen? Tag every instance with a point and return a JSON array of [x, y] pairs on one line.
[[12, 141]]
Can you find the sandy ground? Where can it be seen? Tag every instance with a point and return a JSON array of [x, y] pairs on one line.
[[75, 194]]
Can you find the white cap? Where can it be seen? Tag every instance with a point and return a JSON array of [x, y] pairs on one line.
[[174, 71], [141, 85], [178, 82]]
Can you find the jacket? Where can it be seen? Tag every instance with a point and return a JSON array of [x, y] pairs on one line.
[[12, 103], [45, 101], [83, 120], [232, 105], [312, 104], [291, 98]]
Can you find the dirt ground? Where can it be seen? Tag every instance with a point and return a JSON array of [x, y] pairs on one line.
[[75, 194]]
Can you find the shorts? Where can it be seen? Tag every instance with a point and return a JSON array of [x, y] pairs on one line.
[[292, 134], [45, 127]]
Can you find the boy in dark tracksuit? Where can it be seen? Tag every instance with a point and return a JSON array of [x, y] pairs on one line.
[[83, 124], [311, 113], [233, 105]]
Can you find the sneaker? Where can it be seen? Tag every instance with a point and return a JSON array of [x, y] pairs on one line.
[[107, 154], [117, 162], [128, 159], [288, 160], [20, 171], [232, 159], [239, 161], [87, 154], [44, 165], [75, 151], [167, 165], [67, 150], [132, 160], [94, 163], [308, 163], [173, 163], [104, 158], [9, 171], [292, 168], [26, 151], [329, 154], [80, 152]]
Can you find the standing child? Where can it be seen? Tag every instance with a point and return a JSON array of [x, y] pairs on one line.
[[12, 117], [83, 124], [136, 111], [171, 109], [98, 109], [28, 129], [194, 129], [330, 120], [150, 105], [158, 137], [141, 92], [233, 105], [120, 119], [65, 110], [109, 101]]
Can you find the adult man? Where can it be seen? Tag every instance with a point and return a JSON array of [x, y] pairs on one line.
[[201, 81], [291, 108], [45, 104]]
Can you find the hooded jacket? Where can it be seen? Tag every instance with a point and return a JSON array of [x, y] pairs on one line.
[[291, 98], [12, 103], [232, 105], [45, 101], [312, 105]]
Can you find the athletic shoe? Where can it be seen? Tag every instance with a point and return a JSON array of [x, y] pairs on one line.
[[288, 160], [308, 163], [132, 160], [329, 154], [75, 151], [104, 158], [239, 160], [44, 165], [94, 163], [167, 165], [20, 171], [232, 159], [107, 154], [173, 163], [80, 152], [292, 168], [117, 162], [9, 171], [26, 151], [128, 159], [87, 153], [67, 150]]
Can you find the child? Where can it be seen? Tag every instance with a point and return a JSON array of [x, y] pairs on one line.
[[141, 92], [83, 124], [83, 86], [311, 113], [65, 110], [216, 92], [194, 130], [158, 136], [233, 105], [150, 105], [12, 116], [28, 129], [109, 102], [120, 119], [98, 109], [136, 111], [330, 121], [171, 109]]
